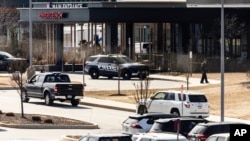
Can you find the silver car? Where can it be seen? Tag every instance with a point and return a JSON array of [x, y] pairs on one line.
[[141, 123]]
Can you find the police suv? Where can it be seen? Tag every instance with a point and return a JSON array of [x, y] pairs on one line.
[[115, 65]]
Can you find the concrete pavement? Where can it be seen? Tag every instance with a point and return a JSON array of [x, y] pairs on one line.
[[131, 107]]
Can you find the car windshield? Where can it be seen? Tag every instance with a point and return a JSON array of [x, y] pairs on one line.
[[123, 60]]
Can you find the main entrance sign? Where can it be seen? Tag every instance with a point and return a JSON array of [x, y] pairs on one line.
[[65, 5]]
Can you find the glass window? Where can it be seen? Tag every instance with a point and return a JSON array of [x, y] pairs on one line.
[[212, 139], [92, 59], [197, 98], [170, 96], [184, 97], [131, 120], [103, 60], [221, 139], [160, 95], [145, 139]]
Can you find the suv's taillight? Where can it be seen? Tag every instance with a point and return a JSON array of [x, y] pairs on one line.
[[187, 105], [136, 126], [55, 89], [202, 137], [85, 64]]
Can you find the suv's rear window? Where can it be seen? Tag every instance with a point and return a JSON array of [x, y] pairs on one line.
[[91, 59], [115, 139], [197, 98], [131, 120], [198, 129]]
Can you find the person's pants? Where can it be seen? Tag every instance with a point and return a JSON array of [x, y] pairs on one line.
[[204, 77]]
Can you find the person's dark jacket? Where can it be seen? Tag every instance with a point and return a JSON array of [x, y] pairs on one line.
[[204, 67]]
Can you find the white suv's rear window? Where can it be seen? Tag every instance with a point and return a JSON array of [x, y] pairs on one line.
[[197, 98]]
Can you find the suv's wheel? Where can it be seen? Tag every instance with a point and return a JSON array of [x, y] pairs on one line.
[[142, 109], [24, 97], [48, 100], [75, 102], [126, 75], [175, 112], [94, 74]]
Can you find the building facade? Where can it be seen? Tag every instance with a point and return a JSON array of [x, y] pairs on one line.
[[169, 35]]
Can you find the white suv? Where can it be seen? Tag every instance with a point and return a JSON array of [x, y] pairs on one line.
[[194, 104]]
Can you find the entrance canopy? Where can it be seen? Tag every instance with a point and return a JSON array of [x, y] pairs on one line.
[[129, 11]]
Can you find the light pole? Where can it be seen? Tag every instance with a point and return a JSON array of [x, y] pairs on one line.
[[222, 60], [30, 34]]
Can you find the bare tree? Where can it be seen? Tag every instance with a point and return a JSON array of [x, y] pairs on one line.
[[8, 22], [18, 69], [234, 28], [142, 93]]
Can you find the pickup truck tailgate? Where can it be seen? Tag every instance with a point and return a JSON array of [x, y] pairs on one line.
[[72, 89]]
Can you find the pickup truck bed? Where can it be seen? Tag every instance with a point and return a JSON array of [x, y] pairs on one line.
[[51, 87]]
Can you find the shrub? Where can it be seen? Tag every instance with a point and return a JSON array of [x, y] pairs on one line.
[[36, 118], [48, 121], [10, 114]]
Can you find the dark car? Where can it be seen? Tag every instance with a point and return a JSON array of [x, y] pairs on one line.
[[170, 125], [110, 65], [6, 60], [138, 123], [105, 137], [203, 130]]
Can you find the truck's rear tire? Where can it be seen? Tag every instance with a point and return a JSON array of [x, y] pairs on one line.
[[75, 102], [48, 100]]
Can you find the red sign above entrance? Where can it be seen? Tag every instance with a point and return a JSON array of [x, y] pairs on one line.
[[50, 15]]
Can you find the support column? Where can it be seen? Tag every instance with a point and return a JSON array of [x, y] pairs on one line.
[[59, 45], [129, 36]]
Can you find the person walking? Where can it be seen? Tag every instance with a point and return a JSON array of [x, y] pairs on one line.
[[204, 71]]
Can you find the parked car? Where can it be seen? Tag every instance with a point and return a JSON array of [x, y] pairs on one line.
[[110, 65], [185, 125], [105, 137], [6, 59], [141, 123], [219, 137], [194, 104], [52, 86], [203, 130], [158, 137]]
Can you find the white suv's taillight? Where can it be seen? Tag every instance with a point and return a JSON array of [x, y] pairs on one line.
[[187, 105]]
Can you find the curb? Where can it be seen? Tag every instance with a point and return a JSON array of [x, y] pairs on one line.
[[41, 126], [70, 138], [108, 107]]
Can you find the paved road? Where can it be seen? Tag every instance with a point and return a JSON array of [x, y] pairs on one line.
[[108, 120]]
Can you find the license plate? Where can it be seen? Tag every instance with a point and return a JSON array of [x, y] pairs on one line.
[[192, 139], [69, 96]]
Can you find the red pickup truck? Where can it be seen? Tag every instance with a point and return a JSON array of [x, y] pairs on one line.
[[52, 86]]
